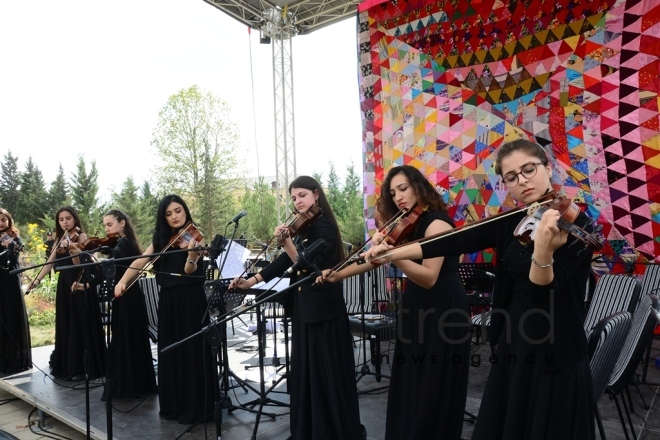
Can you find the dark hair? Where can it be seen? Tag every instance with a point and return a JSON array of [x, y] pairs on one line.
[[128, 227], [11, 227], [528, 147], [311, 184], [163, 232], [59, 232], [425, 192]]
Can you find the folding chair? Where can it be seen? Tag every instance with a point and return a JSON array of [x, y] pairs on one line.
[[614, 293], [606, 341]]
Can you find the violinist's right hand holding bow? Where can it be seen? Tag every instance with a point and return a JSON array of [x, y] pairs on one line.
[[375, 254], [242, 283], [120, 289]]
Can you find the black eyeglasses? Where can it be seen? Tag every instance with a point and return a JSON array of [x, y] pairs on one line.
[[528, 171]]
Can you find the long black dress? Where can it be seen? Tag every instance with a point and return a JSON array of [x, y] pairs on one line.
[[185, 385], [15, 347], [322, 385], [77, 326], [428, 387], [131, 367], [539, 386]]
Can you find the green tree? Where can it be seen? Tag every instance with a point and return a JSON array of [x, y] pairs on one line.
[[351, 222], [259, 202], [10, 183], [32, 204], [57, 194], [148, 208], [196, 141], [333, 192], [84, 191]]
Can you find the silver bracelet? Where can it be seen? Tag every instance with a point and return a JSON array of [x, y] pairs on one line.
[[543, 266]]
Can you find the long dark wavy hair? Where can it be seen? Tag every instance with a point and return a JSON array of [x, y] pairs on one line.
[[425, 192], [163, 232], [311, 184], [59, 232], [128, 227]]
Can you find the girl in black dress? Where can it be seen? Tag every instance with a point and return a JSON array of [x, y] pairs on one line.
[[428, 386], [78, 323], [185, 391], [15, 347], [539, 386], [131, 368], [322, 386]]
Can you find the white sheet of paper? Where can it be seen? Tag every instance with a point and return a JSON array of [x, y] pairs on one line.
[[236, 258], [273, 284]]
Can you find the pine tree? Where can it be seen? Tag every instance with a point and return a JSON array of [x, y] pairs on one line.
[[10, 183], [32, 203]]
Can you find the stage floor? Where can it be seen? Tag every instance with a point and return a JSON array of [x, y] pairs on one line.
[[64, 402]]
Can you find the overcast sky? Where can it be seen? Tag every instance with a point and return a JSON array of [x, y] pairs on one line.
[[81, 77]]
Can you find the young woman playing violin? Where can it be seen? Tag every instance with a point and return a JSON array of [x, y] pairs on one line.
[[322, 387], [429, 380], [130, 364], [182, 373], [77, 316], [539, 384], [15, 347]]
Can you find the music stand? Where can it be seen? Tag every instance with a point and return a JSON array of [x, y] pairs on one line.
[[478, 278], [263, 399]]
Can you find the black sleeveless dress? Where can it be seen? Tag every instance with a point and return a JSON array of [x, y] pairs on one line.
[[428, 387], [131, 367]]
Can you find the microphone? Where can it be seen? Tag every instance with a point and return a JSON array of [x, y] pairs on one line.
[[306, 256], [237, 217]]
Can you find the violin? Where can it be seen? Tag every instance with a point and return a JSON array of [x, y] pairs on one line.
[[569, 211], [404, 225], [183, 238], [95, 242], [68, 238], [301, 222], [13, 236]]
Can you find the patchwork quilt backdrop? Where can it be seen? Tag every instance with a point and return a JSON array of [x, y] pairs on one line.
[[444, 83]]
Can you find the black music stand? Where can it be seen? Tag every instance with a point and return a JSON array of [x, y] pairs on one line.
[[263, 399], [480, 279]]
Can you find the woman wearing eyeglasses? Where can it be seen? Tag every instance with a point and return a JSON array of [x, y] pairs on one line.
[[539, 386]]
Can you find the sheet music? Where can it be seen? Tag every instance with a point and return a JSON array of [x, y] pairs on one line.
[[236, 258], [273, 284]]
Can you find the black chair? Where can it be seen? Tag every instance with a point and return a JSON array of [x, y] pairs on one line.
[[151, 292], [363, 296], [614, 293], [605, 343], [641, 331], [650, 286]]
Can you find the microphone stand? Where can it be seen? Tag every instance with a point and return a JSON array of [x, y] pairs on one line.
[[212, 329]]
